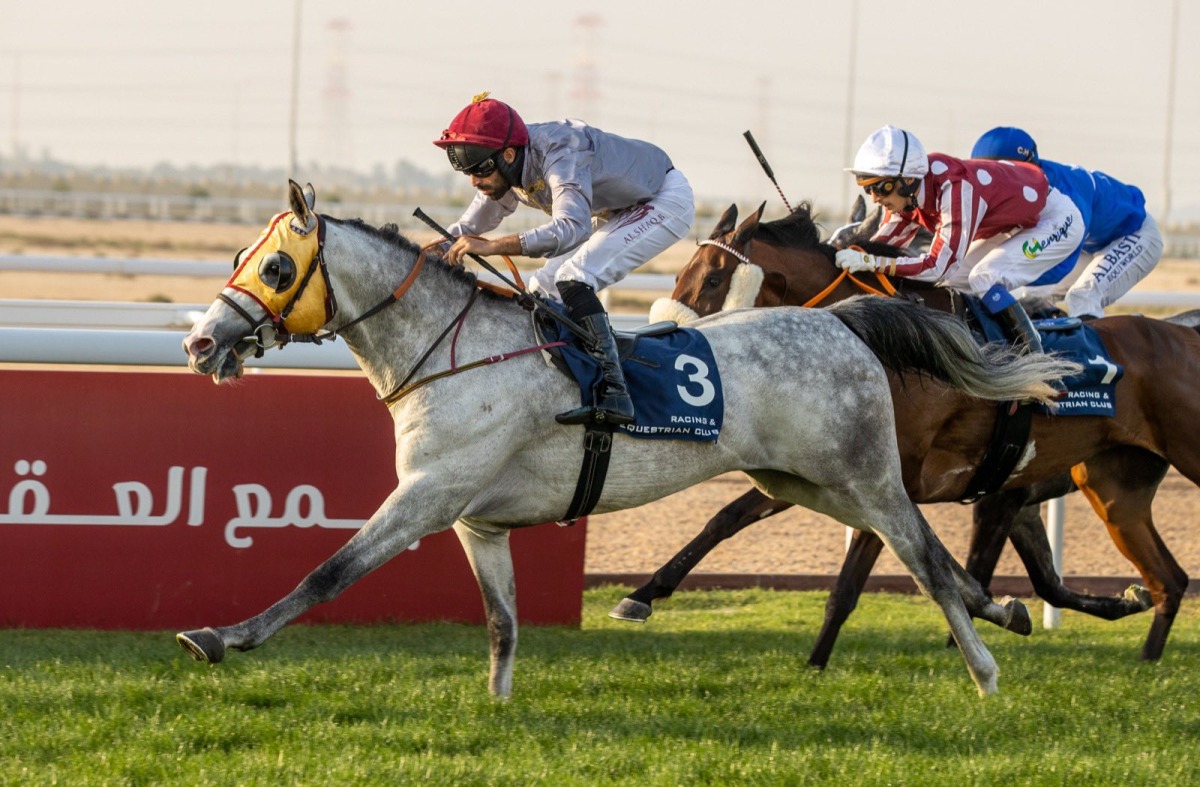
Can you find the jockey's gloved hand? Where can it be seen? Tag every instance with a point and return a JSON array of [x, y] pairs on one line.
[[857, 261]]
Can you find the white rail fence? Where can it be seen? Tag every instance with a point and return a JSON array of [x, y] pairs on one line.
[[151, 334]]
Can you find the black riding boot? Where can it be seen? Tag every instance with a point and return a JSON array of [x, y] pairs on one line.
[[1017, 322], [612, 402]]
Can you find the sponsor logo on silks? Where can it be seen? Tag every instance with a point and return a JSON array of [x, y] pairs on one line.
[[1033, 248], [532, 196], [634, 215]]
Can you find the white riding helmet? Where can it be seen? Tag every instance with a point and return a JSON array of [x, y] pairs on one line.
[[891, 152]]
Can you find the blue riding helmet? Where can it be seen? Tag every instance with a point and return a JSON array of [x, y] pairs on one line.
[[1006, 142]]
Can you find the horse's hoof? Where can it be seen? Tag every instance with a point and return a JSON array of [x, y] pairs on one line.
[[1019, 621], [1138, 596], [203, 644], [631, 610]]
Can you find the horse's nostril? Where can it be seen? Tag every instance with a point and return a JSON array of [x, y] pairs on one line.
[[198, 347]]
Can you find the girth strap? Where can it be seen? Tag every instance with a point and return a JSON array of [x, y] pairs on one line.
[[597, 449], [1009, 436]]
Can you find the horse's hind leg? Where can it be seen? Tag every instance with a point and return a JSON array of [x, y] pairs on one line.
[[878, 501], [746, 510], [1029, 538], [864, 550], [490, 557], [1120, 485]]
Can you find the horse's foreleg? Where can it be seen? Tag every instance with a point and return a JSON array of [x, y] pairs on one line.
[[491, 559], [384, 536], [864, 550], [746, 510], [991, 520]]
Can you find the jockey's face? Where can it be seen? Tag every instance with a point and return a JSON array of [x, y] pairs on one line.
[[891, 199], [493, 185]]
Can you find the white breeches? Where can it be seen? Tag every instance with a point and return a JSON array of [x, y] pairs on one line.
[[622, 241], [1017, 258], [1099, 279]]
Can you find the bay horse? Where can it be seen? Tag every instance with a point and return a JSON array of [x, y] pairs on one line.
[[1116, 462], [480, 450]]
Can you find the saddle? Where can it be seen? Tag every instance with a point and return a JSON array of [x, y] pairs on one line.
[[672, 378]]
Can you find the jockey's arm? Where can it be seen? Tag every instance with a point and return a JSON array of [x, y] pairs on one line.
[[507, 244]]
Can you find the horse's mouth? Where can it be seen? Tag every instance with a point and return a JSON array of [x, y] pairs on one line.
[[227, 365]]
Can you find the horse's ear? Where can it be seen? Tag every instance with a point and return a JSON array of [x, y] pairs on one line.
[[749, 225], [310, 196], [871, 225], [858, 211], [726, 223], [297, 202]]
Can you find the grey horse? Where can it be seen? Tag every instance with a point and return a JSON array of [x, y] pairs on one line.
[[808, 416]]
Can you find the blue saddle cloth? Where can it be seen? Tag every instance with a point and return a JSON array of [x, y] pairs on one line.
[[673, 379], [1093, 391]]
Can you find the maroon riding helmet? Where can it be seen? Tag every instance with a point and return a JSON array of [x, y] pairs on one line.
[[480, 131]]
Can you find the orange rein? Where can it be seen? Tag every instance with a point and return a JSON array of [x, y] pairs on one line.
[[887, 288]]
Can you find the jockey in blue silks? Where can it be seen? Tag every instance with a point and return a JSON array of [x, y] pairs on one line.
[[1121, 245]]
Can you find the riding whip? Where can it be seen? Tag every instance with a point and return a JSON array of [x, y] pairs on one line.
[[522, 295], [766, 168]]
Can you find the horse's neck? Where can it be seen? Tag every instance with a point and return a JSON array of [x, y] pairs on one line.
[[390, 343]]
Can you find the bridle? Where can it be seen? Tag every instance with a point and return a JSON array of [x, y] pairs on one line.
[[886, 287], [275, 322]]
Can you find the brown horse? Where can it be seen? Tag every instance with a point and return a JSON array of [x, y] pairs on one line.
[[1117, 462]]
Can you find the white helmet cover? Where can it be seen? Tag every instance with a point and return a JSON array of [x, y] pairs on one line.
[[891, 152]]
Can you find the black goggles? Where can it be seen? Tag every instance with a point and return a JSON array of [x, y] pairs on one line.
[[460, 155]]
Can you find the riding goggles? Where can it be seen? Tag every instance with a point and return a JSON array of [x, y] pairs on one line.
[[466, 159], [882, 186]]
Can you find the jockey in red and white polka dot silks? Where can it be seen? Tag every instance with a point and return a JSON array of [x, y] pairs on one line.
[[996, 225]]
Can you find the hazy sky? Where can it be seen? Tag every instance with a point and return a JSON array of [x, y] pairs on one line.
[[138, 82]]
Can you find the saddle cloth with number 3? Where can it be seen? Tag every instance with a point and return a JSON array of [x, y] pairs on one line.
[[672, 377]]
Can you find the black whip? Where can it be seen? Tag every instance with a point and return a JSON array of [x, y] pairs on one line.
[[766, 168], [523, 296]]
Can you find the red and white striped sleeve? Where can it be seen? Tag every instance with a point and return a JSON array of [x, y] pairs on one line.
[[959, 214]]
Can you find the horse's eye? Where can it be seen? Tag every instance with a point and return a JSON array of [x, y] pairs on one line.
[[237, 258], [277, 271], [713, 281]]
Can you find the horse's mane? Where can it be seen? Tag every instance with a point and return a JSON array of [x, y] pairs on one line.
[[390, 233], [799, 230]]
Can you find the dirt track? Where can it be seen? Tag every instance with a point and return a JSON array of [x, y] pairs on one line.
[[635, 541]]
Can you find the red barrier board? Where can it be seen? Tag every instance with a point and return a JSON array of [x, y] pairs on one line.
[[141, 500]]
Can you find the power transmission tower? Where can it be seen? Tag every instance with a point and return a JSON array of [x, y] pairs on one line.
[[585, 95], [337, 136]]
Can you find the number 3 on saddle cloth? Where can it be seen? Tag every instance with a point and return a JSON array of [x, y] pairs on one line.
[[672, 378], [1092, 392], [670, 372]]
